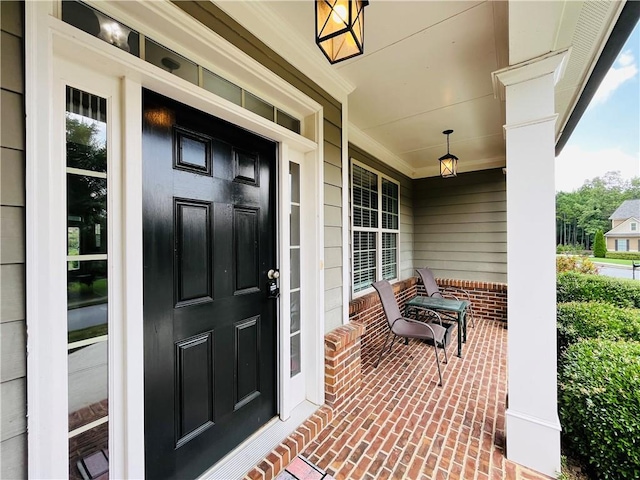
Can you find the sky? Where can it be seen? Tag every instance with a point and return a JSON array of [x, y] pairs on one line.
[[607, 137]]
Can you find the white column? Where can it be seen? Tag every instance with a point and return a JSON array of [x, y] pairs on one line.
[[532, 424]]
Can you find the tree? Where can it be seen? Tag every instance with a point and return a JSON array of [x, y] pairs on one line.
[[600, 246], [580, 214]]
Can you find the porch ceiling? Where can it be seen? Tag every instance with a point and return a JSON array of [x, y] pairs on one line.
[[427, 67]]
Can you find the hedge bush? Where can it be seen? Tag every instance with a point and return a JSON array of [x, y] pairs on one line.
[[624, 255], [573, 249], [579, 287], [599, 406], [586, 320], [574, 263]]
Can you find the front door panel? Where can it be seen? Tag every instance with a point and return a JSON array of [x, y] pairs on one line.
[[209, 328]]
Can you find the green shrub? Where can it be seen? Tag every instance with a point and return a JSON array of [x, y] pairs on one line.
[[599, 406], [599, 245], [574, 263], [622, 292], [586, 320], [572, 249], [624, 255]]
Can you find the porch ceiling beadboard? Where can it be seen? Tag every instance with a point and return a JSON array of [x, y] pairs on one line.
[[13, 421]]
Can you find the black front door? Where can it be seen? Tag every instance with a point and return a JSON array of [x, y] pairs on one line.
[[209, 328]]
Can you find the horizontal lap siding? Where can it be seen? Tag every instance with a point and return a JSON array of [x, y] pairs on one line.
[[13, 414], [460, 226], [221, 23]]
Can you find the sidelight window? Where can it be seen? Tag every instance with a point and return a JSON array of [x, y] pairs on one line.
[[375, 217], [294, 248], [87, 283]]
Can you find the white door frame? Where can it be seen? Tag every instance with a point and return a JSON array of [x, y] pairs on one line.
[[50, 43]]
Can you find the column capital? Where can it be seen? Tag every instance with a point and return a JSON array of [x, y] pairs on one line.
[[553, 63]]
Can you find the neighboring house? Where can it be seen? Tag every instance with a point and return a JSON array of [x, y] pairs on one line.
[[624, 235], [161, 161]]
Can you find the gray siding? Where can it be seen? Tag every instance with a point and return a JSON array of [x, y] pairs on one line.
[[406, 209], [221, 23], [461, 226], [13, 414]]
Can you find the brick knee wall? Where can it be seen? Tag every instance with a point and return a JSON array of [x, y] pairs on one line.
[[342, 363]]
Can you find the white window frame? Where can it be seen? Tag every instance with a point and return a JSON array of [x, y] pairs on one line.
[[377, 230]]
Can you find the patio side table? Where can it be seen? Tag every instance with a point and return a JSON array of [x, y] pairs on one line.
[[444, 304]]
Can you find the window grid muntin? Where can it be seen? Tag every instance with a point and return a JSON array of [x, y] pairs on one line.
[[371, 264]]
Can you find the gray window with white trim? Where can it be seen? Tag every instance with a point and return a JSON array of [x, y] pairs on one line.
[[375, 222]]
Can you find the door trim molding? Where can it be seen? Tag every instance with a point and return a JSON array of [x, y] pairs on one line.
[[48, 39]]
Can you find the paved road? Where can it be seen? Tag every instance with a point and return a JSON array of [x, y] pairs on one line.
[[84, 317], [618, 271]]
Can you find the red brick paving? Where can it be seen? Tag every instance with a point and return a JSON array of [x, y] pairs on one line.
[[400, 424]]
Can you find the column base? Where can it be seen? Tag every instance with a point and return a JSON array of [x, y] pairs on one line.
[[533, 442]]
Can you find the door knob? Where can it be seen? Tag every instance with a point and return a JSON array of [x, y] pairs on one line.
[[273, 274]]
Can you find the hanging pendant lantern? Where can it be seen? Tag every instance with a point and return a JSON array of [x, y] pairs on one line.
[[448, 162], [340, 28]]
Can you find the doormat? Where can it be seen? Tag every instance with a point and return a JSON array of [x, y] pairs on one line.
[[302, 469], [95, 466]]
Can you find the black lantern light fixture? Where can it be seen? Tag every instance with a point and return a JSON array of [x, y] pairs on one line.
[[340, 28], [448, 162]]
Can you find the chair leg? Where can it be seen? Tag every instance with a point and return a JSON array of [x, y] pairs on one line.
[[435, 347], [473, 317], [384, 347], [444, 347]]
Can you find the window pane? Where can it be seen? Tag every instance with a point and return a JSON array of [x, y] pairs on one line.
[[86, 299], [295, 268], [101, 26], [296, 366], [390, 205], [295, 311], [295, 225], [88, 384], [171, 61], [87, 214], [89, 454], [294, 179], [259, 106], [364, 260], [222, 87], [365, 198], [86, 131], [287, 121], [389, 255]]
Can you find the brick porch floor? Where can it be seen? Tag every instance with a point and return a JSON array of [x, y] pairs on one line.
[[402, 425]]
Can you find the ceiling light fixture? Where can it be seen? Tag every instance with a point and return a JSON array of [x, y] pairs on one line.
[[448, 162], [340, 28]]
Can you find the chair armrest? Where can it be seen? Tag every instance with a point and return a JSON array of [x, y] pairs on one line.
[[459, 291]]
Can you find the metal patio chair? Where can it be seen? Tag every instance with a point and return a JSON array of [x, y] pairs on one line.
[[434, 290], [407, 327]]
